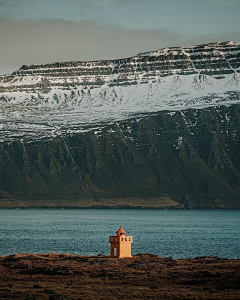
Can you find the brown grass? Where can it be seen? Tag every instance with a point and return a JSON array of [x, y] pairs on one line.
[[145, 276]]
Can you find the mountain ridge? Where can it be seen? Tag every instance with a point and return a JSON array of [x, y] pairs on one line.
[[23, 67]]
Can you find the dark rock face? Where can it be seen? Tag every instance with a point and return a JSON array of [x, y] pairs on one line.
[[191, 157]]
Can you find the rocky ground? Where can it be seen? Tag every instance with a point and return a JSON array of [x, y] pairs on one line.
[[144, 276]]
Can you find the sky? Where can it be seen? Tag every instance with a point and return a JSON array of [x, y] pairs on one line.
[[45, 31]]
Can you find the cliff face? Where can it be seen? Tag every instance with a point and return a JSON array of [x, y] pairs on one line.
[[191, 157], [216, 59], [158, 129]]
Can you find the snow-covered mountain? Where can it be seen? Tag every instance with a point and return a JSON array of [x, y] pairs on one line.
[[160, 129], [49, 100]]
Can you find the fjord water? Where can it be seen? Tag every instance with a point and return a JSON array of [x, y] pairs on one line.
[[176, 233]]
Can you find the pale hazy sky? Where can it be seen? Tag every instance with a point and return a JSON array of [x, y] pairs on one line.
[[43, 31]]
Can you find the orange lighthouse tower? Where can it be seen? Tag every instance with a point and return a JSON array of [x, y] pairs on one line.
[[120, 244]]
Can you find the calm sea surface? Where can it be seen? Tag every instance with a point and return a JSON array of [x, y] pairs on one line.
[[176, 233]]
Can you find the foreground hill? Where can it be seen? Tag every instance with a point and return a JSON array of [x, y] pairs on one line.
[[160, 129], [144, 276]]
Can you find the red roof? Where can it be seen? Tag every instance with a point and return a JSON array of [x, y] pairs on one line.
[[121, 230]]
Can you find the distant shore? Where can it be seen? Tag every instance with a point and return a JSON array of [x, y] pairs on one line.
[[88, 203], [143, 276], [159, 203], [110, 207], [92, 207]]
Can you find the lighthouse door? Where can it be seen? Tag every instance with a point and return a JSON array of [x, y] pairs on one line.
[[115, 252]]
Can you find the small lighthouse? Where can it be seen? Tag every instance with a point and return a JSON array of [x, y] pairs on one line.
[[120, 244]]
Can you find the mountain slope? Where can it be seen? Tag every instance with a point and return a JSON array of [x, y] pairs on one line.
[[190, 157], [161, 129], [48, 100]]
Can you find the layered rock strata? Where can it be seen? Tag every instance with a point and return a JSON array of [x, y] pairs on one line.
[[216, 59]]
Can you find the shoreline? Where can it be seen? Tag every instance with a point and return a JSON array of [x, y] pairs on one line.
[[143, 203], [114, 207], [117, 208]]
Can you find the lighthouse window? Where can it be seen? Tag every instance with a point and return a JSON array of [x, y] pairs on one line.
[[129, 239]]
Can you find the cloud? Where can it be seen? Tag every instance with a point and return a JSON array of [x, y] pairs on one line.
[[7, 3], [31, 42], [65, 9], [216, 3]]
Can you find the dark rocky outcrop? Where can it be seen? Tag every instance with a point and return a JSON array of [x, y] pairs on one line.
[[58, 297]]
